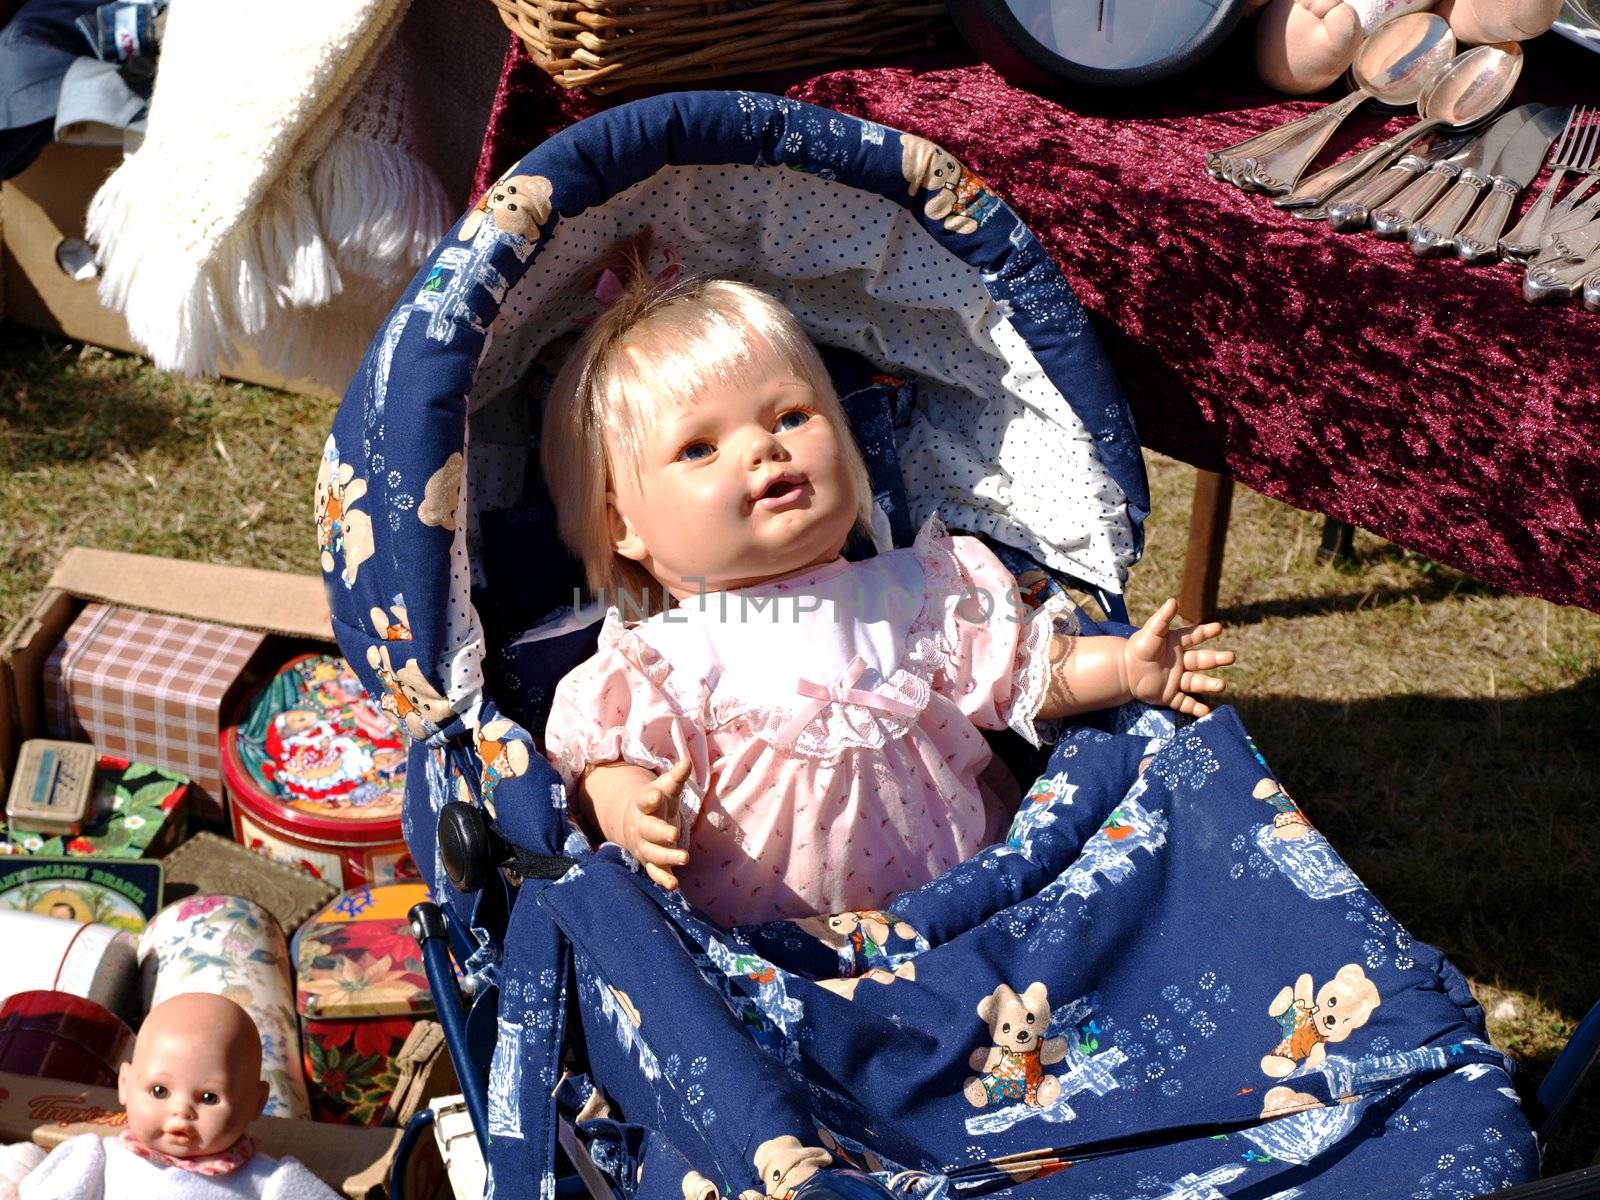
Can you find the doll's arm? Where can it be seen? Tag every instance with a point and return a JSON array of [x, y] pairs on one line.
[[1154, 665], [638, 810]]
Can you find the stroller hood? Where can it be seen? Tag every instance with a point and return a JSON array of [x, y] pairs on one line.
[[436, 539]]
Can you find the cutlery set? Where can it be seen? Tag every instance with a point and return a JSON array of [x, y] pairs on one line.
[[1448, 182]]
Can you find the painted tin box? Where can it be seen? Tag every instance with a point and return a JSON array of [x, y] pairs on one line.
[[137, 811], [149, 688], [316, 776], [361, 989]]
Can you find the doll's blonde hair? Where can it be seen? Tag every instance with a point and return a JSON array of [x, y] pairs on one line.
[[657, 347]]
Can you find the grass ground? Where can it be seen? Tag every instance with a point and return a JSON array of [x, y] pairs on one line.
[[1445, 736]]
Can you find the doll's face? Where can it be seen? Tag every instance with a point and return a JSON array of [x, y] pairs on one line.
[[195, 1080], [746, 483]]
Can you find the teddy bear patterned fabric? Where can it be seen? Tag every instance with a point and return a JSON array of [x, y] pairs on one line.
[[1151, 987], [1161, 974]]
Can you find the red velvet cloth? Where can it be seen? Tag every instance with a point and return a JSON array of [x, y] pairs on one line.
[[1420, 399]]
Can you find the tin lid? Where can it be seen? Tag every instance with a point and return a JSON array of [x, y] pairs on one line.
[[357, 958], [316, 752]]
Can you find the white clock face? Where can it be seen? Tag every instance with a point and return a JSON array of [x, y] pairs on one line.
[[1113, 34]]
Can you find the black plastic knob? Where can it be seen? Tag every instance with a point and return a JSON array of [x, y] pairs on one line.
[[469, 846]]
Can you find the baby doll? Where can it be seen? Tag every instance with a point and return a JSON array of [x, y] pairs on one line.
[[789, 732], [193, 1087]]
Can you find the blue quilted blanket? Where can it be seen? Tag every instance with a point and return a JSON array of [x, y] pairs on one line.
[[1163, 983]]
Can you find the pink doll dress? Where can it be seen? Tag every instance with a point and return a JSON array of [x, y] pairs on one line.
[[831, 719]]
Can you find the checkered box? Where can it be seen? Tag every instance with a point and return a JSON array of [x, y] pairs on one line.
[[149, 688]]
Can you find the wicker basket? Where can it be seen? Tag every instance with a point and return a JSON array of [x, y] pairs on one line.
[[607, 45]]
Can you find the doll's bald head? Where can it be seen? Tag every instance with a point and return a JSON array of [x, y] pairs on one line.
[[194, 1084]]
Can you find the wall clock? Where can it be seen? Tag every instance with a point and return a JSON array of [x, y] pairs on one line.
[[1043, 43]]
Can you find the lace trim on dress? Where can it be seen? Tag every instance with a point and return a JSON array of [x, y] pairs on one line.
[[1030, 682], [841, 727], [592, 745], [948, 582]]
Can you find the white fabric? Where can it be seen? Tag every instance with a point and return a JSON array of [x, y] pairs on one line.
[[275, 181], [89, 1167], [16, 1161], [993, 447]]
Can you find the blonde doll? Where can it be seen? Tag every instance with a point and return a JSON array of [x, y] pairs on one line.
[[786, 733]]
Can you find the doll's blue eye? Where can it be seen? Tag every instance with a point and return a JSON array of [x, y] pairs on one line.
[[695, 451], [159, 1091], [210, 1098], [792, 419]]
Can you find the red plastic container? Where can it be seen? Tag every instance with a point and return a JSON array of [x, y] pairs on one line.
[[56, 1035], [315, 776]]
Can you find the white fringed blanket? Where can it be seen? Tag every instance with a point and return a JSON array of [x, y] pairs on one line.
[[276, 201]]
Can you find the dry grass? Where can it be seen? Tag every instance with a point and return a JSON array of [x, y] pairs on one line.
[[99, 449], [1442, 734]]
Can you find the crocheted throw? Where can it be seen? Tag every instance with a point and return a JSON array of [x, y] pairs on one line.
[[276, 201]]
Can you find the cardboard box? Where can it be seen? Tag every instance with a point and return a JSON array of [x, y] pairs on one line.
[[356, 1160], [42, 209], [295, 610], [291, 606]]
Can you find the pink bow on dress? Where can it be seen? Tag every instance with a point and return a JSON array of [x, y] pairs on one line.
[[843, 691]]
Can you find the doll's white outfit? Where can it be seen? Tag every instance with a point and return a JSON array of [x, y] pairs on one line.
[[91, 1167], [831, 719]]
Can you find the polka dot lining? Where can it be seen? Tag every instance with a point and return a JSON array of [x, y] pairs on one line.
[[993, 446]]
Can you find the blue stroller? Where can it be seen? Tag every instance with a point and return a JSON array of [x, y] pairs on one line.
[[1162, 983]]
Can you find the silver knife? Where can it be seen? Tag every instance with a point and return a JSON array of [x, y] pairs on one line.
[[1394, 219], [1479, 239], [1348, 214], [1432, 233]]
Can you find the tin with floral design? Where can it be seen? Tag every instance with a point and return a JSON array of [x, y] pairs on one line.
[[138, 811], [230, 947], [316, 776], [361, 988]]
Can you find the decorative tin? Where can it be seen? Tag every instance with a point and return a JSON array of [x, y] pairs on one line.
[[150, 688], [361, 989], [123, 893], [56, 1035], [44, 953], [138, 811], [52, 787], [316, 775]]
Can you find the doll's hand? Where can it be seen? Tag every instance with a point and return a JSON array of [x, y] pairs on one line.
[[1166, 668], [649, 825]]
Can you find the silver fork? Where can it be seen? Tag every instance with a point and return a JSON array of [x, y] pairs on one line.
[[1572, 211], [1575, 150]]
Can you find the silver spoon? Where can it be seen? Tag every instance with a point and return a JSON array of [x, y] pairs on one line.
[[1474, 85], [1394, 65], [1413, 43]]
